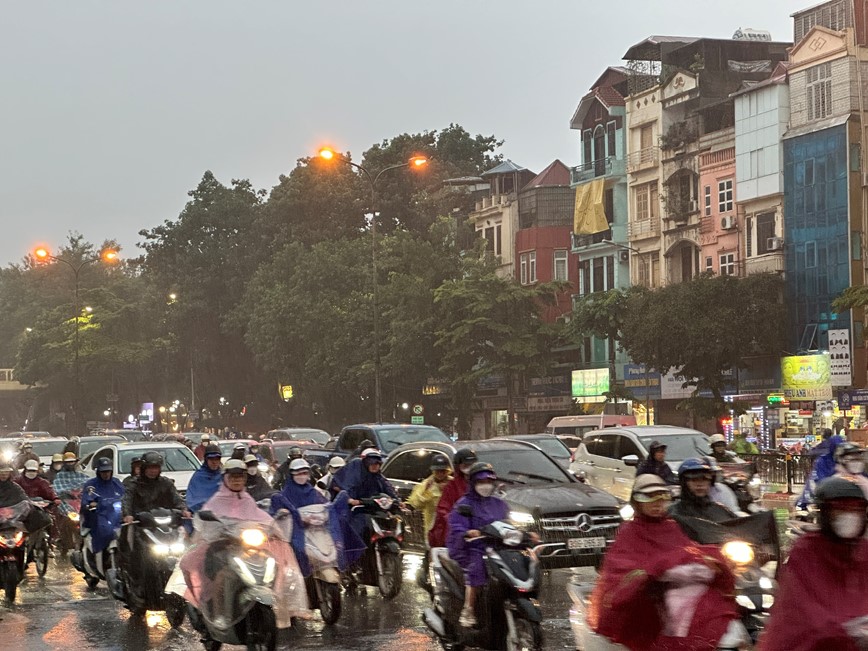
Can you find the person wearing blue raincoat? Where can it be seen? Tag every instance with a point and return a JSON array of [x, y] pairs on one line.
[[206, 480], [824, 466], [361, 478], [104, 492], [297, 493]]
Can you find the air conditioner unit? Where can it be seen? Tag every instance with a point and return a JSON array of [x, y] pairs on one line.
[[624, 255], [694, 205], [774, 243], [727, 222]]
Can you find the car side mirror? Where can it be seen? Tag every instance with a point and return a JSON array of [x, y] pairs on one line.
[[465, 510], [631, 460]]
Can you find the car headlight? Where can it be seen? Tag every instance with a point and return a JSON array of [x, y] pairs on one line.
[[627, 512], [253, 537], [738, 551], [521, 517], [72, 515]]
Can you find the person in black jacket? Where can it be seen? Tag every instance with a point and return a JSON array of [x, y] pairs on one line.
[[696, 477], [656, 464], [256, 485], [150, 490]]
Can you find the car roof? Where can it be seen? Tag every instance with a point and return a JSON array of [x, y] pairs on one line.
[[526, 437], [147, 445], [297, 429], [649, 430], [389, 425], [47, 438], [296, 444], [450, 448]]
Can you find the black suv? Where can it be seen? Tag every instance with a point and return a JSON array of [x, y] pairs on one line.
[[575, 522]]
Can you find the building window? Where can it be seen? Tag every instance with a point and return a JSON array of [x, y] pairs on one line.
[[724, 196], [647, 202], [492, 239], [708, 201], [810, 255], [646, 136], [765, 230], [596, 275], [748, 236], [531, 267], [709, 263], [727, 264], [522, 266], [586, 150], [819, 91], [610, 139], [560, 265]]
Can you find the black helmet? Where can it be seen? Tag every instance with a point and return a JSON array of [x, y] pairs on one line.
[[464, 455], [135, 460], [655, 446], [212, 450], [366, 444], [152, 459], [481, 471], [846, 449], [295, 452], [439, 462]]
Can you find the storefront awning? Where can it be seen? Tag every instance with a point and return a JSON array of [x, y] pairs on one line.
[[590, 215]]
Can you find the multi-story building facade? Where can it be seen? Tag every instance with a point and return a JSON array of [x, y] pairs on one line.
[[495, 217], [824, 179], [762, 114], [681, 153], [600, 243]]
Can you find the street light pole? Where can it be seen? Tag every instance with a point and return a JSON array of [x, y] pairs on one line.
[[107, 255], [417, 162]]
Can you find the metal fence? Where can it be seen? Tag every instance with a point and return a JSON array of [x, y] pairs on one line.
[[783, 469]]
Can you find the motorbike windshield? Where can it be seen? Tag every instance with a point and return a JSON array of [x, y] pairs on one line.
[[15, 514], [759, 529], [227, 569]]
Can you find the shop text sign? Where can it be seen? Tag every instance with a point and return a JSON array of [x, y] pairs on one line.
[[839, 354], [590, 382], [643, 384], [807, 377]]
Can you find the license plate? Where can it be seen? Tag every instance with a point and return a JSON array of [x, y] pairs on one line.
[[598, 542]]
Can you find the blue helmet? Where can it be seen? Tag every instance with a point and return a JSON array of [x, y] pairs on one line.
[[695, 466]]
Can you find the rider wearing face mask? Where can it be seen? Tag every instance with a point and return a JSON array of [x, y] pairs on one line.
[[206, 480], [485, 509], [822, 598], [34, 485], [452, 492], [850, 463], [54, 468], [258, 488], [298, 491]]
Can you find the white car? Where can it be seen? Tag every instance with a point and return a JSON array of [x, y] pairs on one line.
[[48, 447], [607, 458], [179, 463]]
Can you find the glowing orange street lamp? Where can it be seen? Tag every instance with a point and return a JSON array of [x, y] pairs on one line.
[[416, 162]]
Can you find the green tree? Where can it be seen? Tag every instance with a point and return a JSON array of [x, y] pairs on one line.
[[705, 327], [491, 326]]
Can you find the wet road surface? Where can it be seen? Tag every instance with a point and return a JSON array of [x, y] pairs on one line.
[[59, 612]]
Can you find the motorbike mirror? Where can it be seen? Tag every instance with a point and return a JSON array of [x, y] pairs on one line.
[[465, 510], [630, 460], [208, 516]]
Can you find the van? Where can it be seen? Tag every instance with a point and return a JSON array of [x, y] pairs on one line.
[[577, 426]]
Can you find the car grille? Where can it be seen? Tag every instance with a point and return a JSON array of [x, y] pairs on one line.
[[600, 522]]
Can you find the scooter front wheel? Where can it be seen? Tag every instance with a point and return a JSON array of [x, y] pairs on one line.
[[390, 577], [528, 636], [40, 556], [10, 581], [261, 629], [176, 609], [329, 595]]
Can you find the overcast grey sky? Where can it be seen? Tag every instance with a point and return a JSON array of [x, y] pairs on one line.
[[111, 111]]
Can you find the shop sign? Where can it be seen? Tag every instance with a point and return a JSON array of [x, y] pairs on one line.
[[643, 384], [549, 403], [671, 385], [839, 352], [807, 377], [550, 385], [761, 377], [847, 399], [590, 383], [491, 385]]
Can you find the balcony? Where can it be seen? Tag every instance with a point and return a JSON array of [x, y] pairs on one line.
[[8, 381], [770, 262], [584, 241], [603, 167], [644, 158], [493, 201], [643, 229]]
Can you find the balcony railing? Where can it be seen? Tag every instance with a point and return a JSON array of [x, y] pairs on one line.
[[609, 166], [770, 262], [583, 241], [643, 228], [647, 157]]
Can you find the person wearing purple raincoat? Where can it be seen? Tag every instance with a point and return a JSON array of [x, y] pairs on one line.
[[485, 508]]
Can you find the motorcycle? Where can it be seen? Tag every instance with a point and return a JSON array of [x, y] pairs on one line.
[[751, 546], [324, 583], [157, 542], [380, 565], [240, 569], [13, 547], [68, 534], [95, 565], [508, 613], [742, 479], [38, 544]]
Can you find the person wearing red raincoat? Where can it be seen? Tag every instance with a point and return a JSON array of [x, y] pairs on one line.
[[658, 590], [452, 492], [822, 598]]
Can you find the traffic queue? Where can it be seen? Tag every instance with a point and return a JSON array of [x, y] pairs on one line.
[[244, 559]]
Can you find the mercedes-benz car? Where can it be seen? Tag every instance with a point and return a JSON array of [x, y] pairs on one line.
[[575, 522]]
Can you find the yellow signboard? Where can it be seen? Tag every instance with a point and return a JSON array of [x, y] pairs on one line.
[[286, 392], [807, 377]]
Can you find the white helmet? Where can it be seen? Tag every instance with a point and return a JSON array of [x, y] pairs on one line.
[[337, 462], [717, 438], [298, 465]]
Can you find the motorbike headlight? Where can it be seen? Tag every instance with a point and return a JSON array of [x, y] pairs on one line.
[[253, 537], [177, 548], [738, 551], [264, 468], [627, 512], [161, 550], [270, 571], [521, 517], [72, 515], [756, 481], [765, 583], [513, 538]]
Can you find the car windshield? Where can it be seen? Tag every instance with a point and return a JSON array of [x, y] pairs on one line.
[[316, 435], [226, 447], [281, 452], [88, 446], [48, 448], [392, 438], [552, 447], [174, 459], [681, 446], [523, 466]]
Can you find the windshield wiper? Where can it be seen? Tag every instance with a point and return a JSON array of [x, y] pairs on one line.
[[535, 476], [513, 481]]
